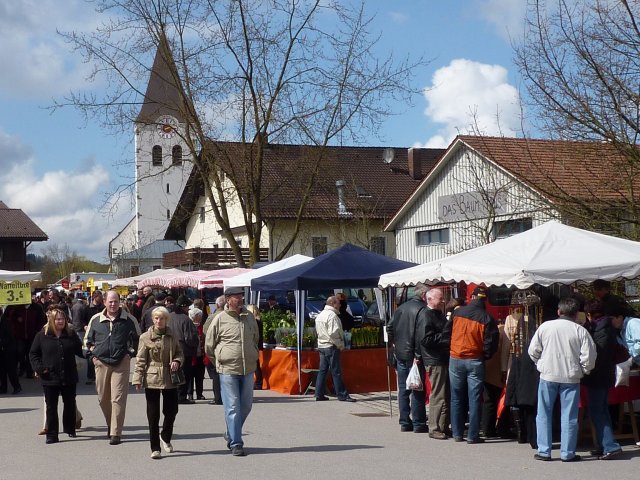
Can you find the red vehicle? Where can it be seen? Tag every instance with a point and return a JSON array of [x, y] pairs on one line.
[[498, 300]]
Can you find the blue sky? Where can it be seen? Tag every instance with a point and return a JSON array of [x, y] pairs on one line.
[[58, 168]]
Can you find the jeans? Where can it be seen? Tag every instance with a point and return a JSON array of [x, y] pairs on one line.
[[569, 398], [237, 397], [411, 403], [330, 360], [599, 413], [466, 378]]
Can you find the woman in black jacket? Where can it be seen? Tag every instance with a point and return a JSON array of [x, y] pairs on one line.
[[604, 330], [52, 356]]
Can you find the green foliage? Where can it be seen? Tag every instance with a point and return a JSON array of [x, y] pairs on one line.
[[59, 262], [365, 337], [273, 319]]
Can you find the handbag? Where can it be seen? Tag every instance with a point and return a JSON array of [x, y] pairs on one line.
[[177, 377]]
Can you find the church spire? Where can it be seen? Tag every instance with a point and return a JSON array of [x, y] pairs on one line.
[[162, 96]]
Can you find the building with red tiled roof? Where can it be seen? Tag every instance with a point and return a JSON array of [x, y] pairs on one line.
[[17, 231], [356, 191], [484, 188]]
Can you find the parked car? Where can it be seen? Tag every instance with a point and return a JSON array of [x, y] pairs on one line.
[[316, 300]]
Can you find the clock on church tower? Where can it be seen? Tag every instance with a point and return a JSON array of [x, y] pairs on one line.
[[167, 126]]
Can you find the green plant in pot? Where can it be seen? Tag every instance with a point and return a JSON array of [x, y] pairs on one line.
[[274, 319]]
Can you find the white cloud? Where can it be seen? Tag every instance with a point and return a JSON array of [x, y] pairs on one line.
[[466, 97], [506, 16], [65, 205], [36, 61], [399, 17]]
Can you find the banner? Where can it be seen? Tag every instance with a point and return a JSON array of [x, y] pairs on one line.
[[15, 293]]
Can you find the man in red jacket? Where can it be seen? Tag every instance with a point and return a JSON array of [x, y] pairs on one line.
[[474, 339]]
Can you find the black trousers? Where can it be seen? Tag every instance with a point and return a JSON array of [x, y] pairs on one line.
[[491, 397], [51, 395], [187, 368], [215, 382], [198, 377], [9, 367], [169, 410], [258, 374]]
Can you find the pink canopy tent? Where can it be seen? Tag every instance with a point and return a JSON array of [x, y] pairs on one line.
[[195, 279], [217, 277]]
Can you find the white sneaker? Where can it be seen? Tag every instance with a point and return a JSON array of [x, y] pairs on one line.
[[166, 446], [156, 454]]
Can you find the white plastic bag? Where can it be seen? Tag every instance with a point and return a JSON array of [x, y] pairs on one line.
[[622, 372], [414, 382]]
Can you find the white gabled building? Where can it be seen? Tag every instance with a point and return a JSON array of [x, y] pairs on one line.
[[473, 195]]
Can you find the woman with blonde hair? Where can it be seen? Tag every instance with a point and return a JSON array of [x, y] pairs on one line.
[[52, 357], [159, 354]]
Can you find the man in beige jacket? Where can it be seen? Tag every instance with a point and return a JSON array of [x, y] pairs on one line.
[[232, 343]]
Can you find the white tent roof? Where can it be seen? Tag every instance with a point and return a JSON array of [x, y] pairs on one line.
[[550, 253], [21, 276], [244, 280]]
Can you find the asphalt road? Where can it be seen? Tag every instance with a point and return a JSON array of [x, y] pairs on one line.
[[285, 437]]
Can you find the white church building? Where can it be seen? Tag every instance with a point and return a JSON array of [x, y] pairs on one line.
[[161, 173]]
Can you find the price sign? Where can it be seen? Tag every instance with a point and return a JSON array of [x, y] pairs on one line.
[[15, 293]]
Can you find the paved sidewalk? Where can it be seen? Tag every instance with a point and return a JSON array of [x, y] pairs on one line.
[[286, 437]]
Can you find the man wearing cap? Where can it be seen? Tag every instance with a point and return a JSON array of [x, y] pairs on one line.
[[232, 343], [473, 338], [187, 334]]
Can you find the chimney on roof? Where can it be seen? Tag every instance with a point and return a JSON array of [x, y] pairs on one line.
[[415, 163], [342, 207]]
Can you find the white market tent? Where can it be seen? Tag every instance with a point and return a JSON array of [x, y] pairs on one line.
[[244, 280], [547, 254], [20, 276]]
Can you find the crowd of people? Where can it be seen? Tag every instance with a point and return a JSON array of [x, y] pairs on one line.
[[468, 360], [464, 356]]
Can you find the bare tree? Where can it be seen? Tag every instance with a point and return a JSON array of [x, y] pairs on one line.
[[581, 64], [255, 72]]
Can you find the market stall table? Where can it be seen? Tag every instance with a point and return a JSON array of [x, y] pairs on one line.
[[363, 369]]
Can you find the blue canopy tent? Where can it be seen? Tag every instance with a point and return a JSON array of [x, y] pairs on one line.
[[346, 266]]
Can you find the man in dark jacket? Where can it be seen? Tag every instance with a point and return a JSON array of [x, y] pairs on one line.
[[146, 322], [473, 338], [406, 345], [80, 316], [112, 341], [435, 356], [187, 333]]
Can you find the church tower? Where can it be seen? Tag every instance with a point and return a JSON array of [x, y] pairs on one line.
[[162, 165]]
